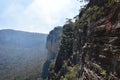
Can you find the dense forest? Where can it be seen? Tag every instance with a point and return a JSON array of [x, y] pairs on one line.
[[22, 55]]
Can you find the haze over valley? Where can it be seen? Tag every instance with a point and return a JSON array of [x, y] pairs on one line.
[[22, 54]]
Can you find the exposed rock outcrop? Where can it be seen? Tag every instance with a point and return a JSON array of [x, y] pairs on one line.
[[53, 41], [52, 45], [90, 47]]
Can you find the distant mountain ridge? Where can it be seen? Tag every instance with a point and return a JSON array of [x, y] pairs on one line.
[[22, 54], [21, 38]]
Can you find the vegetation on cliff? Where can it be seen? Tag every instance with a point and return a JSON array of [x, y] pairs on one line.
[[90, 46]]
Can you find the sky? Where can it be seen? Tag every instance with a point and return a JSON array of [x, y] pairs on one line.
[[36, 15]]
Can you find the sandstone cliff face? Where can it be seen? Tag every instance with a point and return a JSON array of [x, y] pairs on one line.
[[90, 47], [52, 45], [53, 41]]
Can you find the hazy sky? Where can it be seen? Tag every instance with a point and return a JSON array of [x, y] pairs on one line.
[[36, 15]]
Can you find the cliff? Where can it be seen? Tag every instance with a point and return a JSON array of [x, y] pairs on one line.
[[90, 47], [52, 45], [53, 41]]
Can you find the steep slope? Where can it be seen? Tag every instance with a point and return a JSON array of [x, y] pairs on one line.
[[90, 47], [52, 45], [53, 41], [22, 54]]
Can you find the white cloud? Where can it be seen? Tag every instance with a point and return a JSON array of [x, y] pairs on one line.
[[41, 15]]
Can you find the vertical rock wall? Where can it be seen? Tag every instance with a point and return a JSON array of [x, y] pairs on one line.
[[52, 45], [90, 47]]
